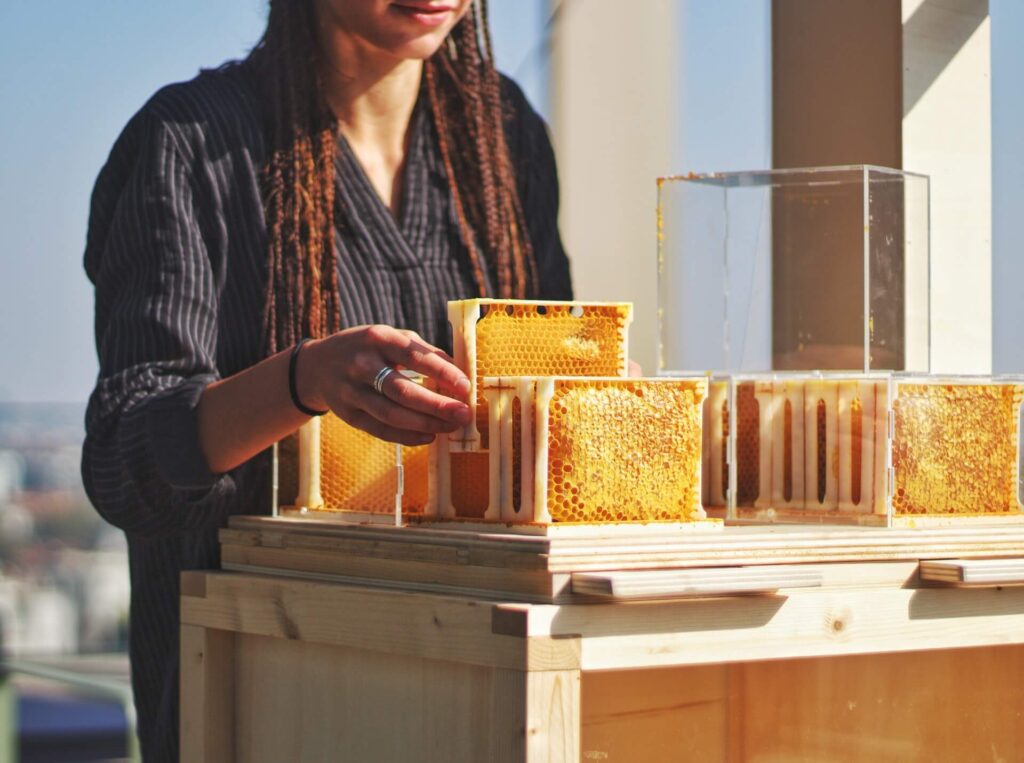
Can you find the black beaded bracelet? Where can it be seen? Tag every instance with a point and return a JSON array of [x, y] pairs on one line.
[[292, 388]]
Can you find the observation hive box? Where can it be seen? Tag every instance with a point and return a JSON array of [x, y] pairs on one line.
[[863, 449], [580, 450], [560, 436], [794, 270]]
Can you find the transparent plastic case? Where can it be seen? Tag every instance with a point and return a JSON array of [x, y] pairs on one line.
[[805, 269]]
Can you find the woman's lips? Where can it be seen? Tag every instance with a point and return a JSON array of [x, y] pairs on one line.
[[424, 13]]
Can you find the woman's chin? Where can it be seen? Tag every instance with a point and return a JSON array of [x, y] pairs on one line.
[[419, 48]]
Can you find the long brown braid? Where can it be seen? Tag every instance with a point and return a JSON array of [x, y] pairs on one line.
[[302, 293]]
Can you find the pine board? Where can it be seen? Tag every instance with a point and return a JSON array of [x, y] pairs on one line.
[[974, 572], [537, 568]]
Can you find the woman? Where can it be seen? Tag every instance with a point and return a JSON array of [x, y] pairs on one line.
[[361, 167]]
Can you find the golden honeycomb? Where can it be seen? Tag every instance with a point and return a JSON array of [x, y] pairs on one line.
[[470, 484], [955, 448], [521, 338], [358, 472], [624, 450], [748, 445]]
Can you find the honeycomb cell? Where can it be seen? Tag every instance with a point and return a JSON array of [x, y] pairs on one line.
[[955, 448], [521, 338], [623, 450], [358, 471]]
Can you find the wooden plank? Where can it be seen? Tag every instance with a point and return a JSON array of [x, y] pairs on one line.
[[304, 701], [553, 716], [945, 705], [655, 715], [532, 587], [432, 627], [410, 575], [626, 550], [207, 695], [890, 708], [801, 623], [669, 584], [975, 572]]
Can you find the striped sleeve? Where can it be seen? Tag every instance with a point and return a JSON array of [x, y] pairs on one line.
[[156, 333]]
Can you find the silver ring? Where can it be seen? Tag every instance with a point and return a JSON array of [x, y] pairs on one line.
[[378, 381]]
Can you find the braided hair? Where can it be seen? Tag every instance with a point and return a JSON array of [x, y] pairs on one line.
[[302, 293]]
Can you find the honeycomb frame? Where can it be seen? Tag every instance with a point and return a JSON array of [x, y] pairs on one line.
[[644, 433], [383, 480], [567, 338], [857, 477], [804, 462]]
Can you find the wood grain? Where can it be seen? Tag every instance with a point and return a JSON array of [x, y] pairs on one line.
[[974, 572], [316, 702], [207, 695], [675, 584], [392, 622]]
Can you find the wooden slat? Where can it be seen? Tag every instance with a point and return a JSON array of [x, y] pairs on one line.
[[553, 716], [808, 623], [670, 584], [628, 550], [428, 626], [207, 695], [529, 585], [974, 572], [301, 701]]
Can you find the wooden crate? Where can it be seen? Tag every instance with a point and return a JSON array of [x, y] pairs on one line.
[[861, 665]]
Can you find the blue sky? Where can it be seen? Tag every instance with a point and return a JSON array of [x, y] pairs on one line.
[[73, 72]]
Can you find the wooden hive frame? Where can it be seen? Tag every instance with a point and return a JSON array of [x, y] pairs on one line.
[[530, 416], [554, 338], [774, 424]]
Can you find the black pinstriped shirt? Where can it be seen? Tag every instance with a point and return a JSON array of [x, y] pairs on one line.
[[177, 249]]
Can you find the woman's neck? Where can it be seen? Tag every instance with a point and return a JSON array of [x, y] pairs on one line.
[[373, 96]]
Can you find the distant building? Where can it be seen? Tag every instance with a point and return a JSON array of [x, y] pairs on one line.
[[12, 475]]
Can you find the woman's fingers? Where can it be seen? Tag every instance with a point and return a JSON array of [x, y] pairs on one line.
[[410, 351], [398, 416], [415, 397]]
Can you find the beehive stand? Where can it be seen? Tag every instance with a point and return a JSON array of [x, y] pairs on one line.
[[325, 641]]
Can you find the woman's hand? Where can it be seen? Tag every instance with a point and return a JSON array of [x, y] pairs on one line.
[[338, 373]]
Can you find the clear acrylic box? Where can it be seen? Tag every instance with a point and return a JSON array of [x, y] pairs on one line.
[[794, 270]]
